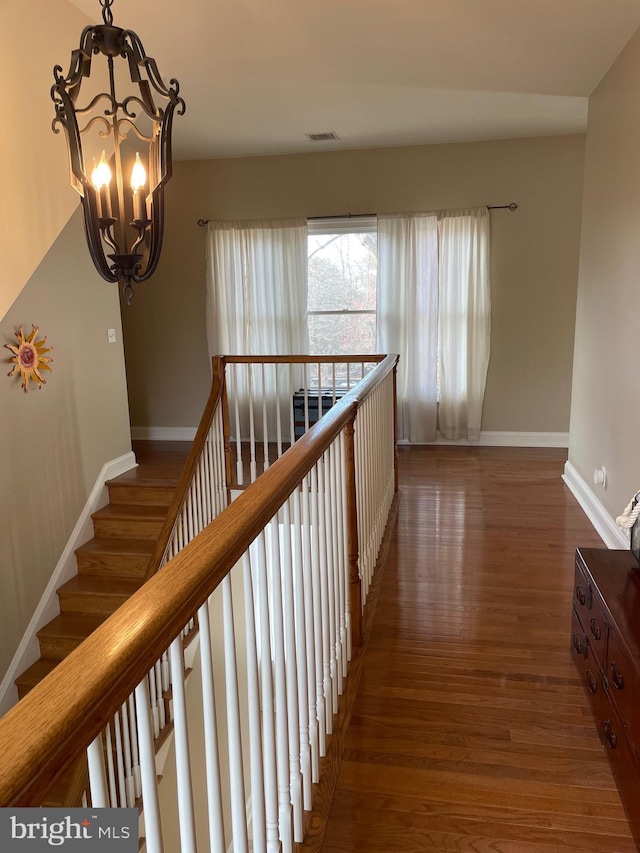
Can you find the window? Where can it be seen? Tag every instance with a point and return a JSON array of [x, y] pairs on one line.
[[342, 281]]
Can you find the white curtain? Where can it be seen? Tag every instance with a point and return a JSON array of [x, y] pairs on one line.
[[434, 309], [407, 316], [256, 304], [464, 321], [257, 288]]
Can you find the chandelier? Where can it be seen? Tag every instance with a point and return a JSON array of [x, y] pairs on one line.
[[119, 147]]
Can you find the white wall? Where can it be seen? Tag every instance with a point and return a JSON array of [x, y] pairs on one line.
[[36, 199], [54, 441], [605, 409], [534, 261]]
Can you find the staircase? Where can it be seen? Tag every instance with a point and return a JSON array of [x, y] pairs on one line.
[[111, 567]]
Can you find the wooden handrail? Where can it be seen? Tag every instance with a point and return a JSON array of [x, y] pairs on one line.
[[180, 494], [62, 714], [303, 359]]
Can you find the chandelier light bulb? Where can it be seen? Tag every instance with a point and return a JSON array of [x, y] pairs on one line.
[[138, 180], [101, 175], [138, 175], [101, 178]]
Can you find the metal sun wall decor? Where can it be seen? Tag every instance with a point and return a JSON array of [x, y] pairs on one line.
[[29, 358], [126, 133]]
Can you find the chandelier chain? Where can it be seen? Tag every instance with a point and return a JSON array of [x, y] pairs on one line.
[[107, 14]]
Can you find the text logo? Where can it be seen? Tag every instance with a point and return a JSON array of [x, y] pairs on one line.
[[69, 830]]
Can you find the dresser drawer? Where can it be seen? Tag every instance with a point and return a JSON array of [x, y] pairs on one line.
[[591, 612], [623, 682], [586, 664], [582, 593], [624, 761]]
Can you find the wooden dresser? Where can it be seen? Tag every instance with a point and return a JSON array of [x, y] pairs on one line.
[[605, 645]]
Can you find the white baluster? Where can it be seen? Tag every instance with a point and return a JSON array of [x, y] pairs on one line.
[[324, 597], [120, 772], [292, 415], [282, 736], [97, 774], [236, 780], [135, 755], [252, 427], [183, 765], [310, 628], [152, 822], [235, 372], [345, 550], [265, 423], [259, 829], [291, 672], [212, 757], [111, 776], [278, 410], [319, 619], [336, 561], [328, 544], [128, 759], [260, 573], [301, 639]]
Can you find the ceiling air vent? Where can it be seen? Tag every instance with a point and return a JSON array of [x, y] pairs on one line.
[[327, 136]]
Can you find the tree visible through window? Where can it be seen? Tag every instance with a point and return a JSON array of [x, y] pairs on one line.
[[342, 280]]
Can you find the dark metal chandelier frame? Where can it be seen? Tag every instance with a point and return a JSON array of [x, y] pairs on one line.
[[124, 229]]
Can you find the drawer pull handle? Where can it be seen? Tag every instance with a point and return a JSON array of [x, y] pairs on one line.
[[580, 595], [610, 735], [595, 629], [593, 684], [577, 645], [618, 677]]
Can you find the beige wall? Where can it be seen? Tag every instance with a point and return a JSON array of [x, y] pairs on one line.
[[56, 440], [36, 199], [534, 261], [605, 410]]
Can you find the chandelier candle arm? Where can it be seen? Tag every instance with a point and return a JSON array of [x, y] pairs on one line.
[[126, 136]]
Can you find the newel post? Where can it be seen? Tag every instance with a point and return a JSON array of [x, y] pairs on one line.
[[355, 591], [220, 364]]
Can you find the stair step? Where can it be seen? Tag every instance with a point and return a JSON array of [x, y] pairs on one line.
[[34, 675], [123, 521], [91, 594], [64, 633], [141, 492], [108, 557]]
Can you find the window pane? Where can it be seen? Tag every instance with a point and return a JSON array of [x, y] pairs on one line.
[[342, 272], [340, 334]]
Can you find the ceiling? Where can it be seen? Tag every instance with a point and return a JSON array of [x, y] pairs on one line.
[[257, 75]]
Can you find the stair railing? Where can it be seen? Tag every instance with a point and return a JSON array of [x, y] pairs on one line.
[[201, 493], [272, 400], [273, 582]]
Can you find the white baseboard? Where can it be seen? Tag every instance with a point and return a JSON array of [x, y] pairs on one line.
[[28, 651], [507, 439], [604, 524], [163, 433]]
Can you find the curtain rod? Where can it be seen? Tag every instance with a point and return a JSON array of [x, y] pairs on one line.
[[513, 206]]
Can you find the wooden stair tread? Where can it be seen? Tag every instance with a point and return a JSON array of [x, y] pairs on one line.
[[131, 547], [36, 672], [101, 585], [139, 512], [72, 625], [147, 480]]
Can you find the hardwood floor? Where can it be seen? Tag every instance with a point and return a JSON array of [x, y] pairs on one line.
[[470, 730]]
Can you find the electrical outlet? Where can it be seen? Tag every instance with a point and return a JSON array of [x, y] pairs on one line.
[[111, 336]]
